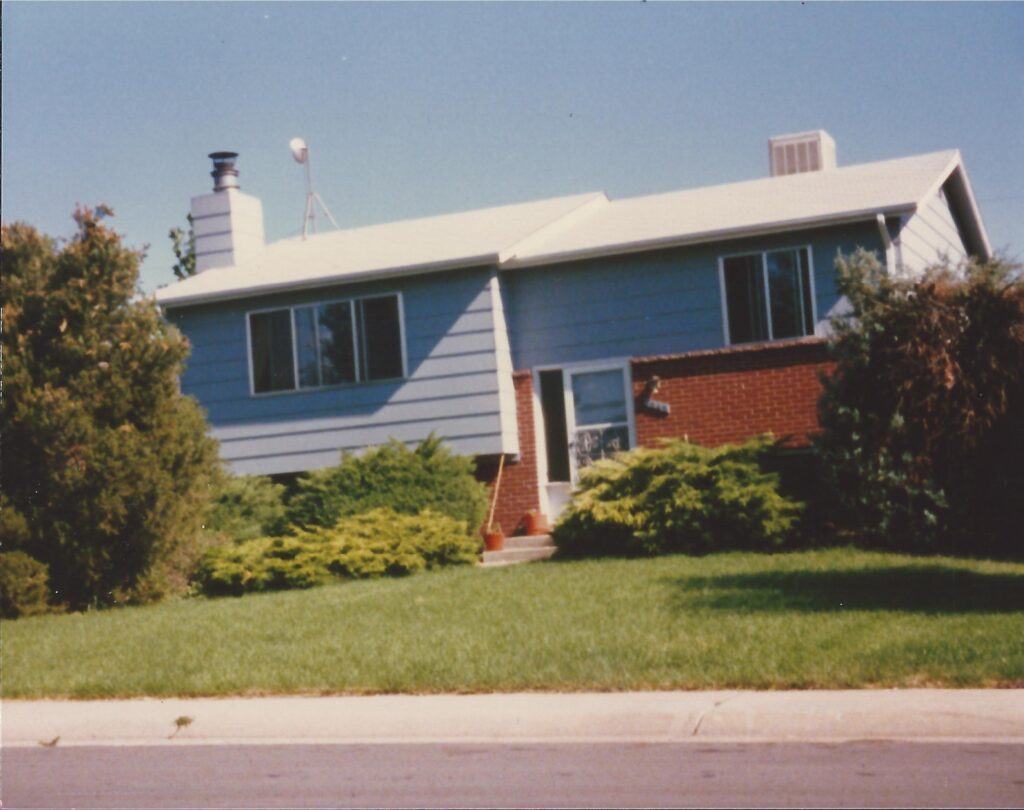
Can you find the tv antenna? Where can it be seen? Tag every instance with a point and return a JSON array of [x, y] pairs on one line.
[[301, 154]]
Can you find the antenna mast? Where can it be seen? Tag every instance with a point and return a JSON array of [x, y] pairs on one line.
[[301, 154]]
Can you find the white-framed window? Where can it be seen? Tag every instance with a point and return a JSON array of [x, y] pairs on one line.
[[326, 344], [767, 295]]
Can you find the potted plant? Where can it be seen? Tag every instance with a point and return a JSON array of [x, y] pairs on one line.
[[494, 538], [536, 523]]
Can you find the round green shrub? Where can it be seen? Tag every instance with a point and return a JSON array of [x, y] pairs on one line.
[[246, 507], [381, 542], [677, 498], [24, 585], [391, 477]]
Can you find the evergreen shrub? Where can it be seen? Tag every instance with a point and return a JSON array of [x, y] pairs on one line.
[[24, 586], [381, 542], [677, 498], [246, 507], [107, 467], [391, 477]]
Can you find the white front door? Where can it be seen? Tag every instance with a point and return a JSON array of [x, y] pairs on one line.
[[599, 414], [585, 413]]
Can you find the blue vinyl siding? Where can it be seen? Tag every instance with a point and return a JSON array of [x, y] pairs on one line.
[[459, 373], [451, 388], [929, 236], [636, 305]]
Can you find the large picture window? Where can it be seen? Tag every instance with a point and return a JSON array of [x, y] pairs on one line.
[[768, 296], [326, 344]]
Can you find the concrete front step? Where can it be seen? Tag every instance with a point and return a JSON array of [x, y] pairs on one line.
[[521, 550], [514, 556], [529, 541]]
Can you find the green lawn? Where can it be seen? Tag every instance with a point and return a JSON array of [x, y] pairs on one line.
[[827, 619]]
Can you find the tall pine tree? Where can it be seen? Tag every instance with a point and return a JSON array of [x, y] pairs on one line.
[[106, 466]]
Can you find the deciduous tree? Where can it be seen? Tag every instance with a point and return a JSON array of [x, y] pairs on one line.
[[924, 416], [184, 246]]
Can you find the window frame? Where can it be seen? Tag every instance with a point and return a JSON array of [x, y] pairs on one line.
[[357, 344], [763, 254]]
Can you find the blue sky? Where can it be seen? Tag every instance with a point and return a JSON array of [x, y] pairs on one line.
[[419, 109]]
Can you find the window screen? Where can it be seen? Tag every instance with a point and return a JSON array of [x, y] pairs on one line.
[[786, 312], [381, 334], [785, 294], [306, 347], [273, 366], [337, 354], [744, 294], [334, 343]]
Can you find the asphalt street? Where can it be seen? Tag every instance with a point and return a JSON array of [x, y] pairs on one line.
[[851, 774], [874, 748]]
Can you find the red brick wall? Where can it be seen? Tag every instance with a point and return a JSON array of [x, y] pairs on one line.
[[728, 395], [717, 396], [518, 493]]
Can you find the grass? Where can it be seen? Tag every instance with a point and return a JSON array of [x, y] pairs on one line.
[[824, 619]]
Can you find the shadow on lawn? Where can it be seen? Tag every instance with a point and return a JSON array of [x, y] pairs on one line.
[[918, 589]]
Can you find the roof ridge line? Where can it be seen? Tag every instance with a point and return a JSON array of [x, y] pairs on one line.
[[795, 177], [428, 217], [599, 199]]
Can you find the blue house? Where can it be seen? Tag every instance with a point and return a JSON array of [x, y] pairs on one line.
[[548, 333]]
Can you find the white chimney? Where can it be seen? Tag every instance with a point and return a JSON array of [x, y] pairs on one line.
[[227, 224], [802, 152]]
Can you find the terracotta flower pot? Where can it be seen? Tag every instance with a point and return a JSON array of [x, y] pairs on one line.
[[494, 540], [536, 523]]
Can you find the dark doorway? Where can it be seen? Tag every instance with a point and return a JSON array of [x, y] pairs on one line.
[[556, 437]]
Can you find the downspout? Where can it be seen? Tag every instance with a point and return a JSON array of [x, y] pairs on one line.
[[890, 253]]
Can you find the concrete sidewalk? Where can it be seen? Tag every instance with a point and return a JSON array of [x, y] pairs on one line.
[[911, 714]]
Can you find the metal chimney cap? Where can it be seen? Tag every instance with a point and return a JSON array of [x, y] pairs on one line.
[[224, 173]]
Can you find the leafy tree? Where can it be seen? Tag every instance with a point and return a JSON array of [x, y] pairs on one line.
[[106, 464], [184, 247], [924, 416]]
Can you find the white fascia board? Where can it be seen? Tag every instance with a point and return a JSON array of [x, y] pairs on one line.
[[967, 199], [664, 243], [483, 260], [954, 162], [972, 207]]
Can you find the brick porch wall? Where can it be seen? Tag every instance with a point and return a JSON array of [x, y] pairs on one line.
[[519, 487], [717, 396], [732, 394]]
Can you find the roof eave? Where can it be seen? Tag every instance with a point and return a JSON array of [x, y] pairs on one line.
[[665, 243], [975, 225], [462, 263]]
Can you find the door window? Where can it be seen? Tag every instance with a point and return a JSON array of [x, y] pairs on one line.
[[600, 416]]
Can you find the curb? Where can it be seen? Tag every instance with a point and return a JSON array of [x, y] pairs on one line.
[[926, 715]]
